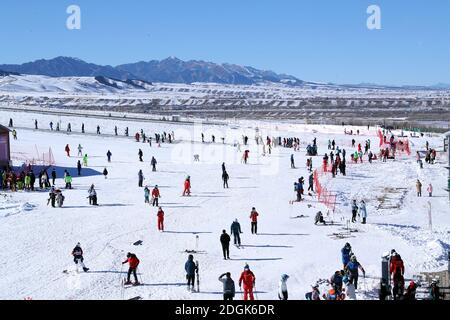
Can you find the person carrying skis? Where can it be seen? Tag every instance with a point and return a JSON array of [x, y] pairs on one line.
[[160, 216], [352, 268], [228, 286], [67, 149], [254, 220], [77, 254], [190, 268], [354, 210], [187, 186], [80, 150], [109, 154], [133, 263], [346, 252], [105, 173], [153, 163], [146, 195], [225, 178], [155, 196], [282, 287], [225, 242], [235, 230], [140, 154], [248, 280], [140, 178]]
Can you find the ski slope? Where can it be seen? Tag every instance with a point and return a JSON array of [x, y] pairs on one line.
[[37, 240]]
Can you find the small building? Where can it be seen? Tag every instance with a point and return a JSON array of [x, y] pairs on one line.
[[5, 151]]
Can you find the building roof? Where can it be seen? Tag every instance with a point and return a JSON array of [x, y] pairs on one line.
[[4, 129]]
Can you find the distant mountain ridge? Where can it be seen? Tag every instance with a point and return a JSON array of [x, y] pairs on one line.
[[172, 70]]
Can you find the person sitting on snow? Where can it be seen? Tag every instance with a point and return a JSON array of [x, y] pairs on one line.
[[319, 218]]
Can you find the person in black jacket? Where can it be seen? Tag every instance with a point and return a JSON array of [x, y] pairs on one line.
[[225, 241], [77, 254], [190, 268], [53, 176], [225, 178], [236, 231]]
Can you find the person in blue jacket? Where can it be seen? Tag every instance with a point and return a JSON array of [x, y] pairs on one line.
[[346, 253], [352, 269]]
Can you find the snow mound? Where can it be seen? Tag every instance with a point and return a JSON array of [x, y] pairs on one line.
[[9, 207]]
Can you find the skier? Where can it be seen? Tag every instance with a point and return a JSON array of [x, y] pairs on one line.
[[67, 149], [160, 216], [109, 154], [85, 160], [410, 293], [396, 262], [319, 218], [346, 252], [354, 210], [140, 178], [146, 195], [430, 190], [225, 241], [79, 167], [155, 196], [105, 173], [59, 198], [80, 150], [153, 163], [363, 211], [225, 178], [292, 162], [419, 188], [228, 286], [254, 220], [282, 287], [187, 186], [245, 156], [77, 254], [140, 154], [314, 294], [190, 268], [92, 196], [10, 124], [98, 129], [133, 263], [248, 279], [223, 167], [336, 281], [115, 130], [235, 230], [82, 128], [399, 284], [53, 174], [52, 197], [68, 181], [35, 124], [352, 268], [311, 182], [51, 126]]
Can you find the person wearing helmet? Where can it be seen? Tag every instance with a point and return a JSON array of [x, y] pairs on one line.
[[236, 231], [352, 268], [282, 287], [396, 262], [133, 262], [77, 254], [190, 268], [346, 253], [248, 279]]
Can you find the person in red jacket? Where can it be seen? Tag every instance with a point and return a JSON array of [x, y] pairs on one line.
[[67, 149], [155, 196], [133, 262], [254, 220], [396, 262], [187, 186], [248, 278], [160, 216]]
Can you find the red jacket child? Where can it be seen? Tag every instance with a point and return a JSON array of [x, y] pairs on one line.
[[160, 216]]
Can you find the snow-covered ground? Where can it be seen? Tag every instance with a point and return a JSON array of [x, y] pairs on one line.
[[36, 240]]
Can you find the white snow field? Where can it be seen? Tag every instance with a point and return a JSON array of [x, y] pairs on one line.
[[36, 240]]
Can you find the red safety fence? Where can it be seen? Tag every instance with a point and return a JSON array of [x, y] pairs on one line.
[[399, 145], [323, 195]]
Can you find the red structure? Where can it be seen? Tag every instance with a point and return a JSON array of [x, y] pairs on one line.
[[5, 151]]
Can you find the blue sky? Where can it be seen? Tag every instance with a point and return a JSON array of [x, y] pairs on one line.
[[317, 40]]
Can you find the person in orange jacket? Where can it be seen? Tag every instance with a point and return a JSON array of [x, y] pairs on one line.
[[67, 149], [160, 216], [254, 220], [133, 262], [155, 196], [396, 262], [187, 186], [248, 278]]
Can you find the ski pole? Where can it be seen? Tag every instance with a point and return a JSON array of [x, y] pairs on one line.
[[140, 276]]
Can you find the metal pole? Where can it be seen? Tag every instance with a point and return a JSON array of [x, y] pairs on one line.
[[430, 223]]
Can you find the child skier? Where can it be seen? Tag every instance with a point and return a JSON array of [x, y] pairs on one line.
[[187, 186], [160, 216], [77, 254]]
